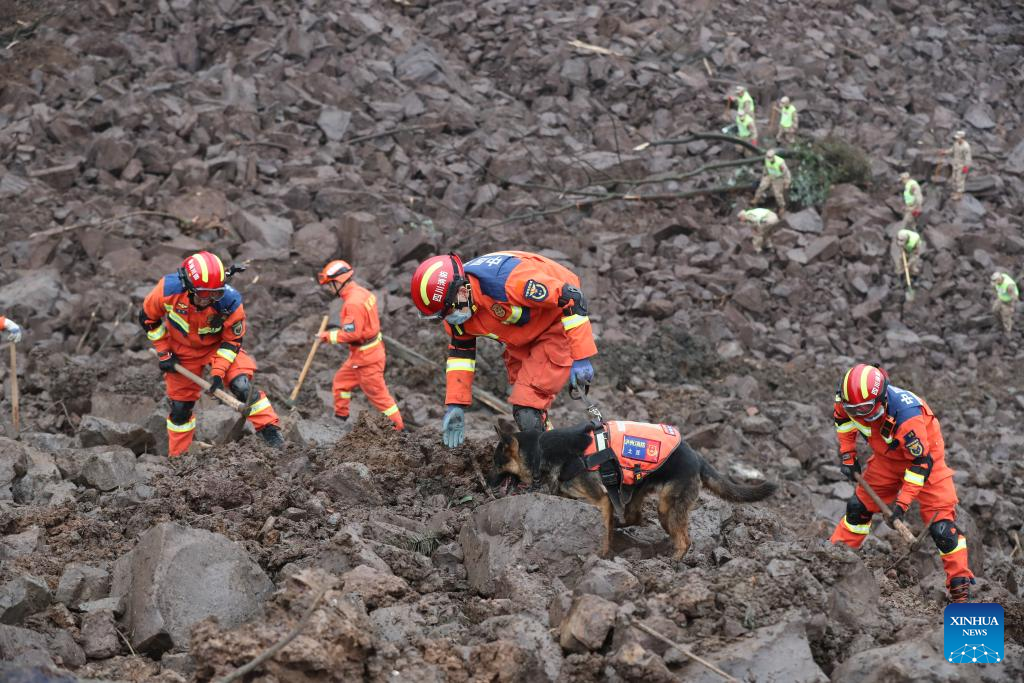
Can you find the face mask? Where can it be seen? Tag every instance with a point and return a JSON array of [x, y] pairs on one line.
[[459, 316]]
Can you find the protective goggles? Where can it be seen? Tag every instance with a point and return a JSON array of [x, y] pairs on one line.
[[208, 294], [865, 409]]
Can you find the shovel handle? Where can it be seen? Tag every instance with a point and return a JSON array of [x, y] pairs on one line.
[[15, 396], [309, 361], [902, 528], [225, 398]]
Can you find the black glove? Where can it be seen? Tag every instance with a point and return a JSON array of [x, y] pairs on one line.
[[896, 516], [168, 361], [850, 470], [216, 382]]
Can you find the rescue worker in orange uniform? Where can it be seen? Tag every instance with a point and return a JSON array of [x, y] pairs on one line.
[[360, 329], [907, 463], [530, 304], [195, 319]]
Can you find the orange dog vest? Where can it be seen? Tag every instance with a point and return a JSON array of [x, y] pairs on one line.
[[640, 447]]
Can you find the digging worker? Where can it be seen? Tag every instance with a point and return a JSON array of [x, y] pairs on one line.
[[10, 331], [961, 163], [195, 319], [907, 464], [911, 244], [529, 303], [360, 329], [743, 101], [762, 221], [913, 200], [776, 176], [1005, 302], [789, 121]]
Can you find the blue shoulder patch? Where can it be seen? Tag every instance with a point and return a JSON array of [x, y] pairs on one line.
[[492, 271], [172, 284], [903, 404], [229, 302]]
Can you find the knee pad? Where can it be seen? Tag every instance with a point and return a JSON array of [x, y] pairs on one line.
[[529, 419], [856, 511], [240, 387], [181, 411], [945, 534]]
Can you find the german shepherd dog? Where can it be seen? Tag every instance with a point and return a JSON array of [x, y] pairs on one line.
[[546, 459]]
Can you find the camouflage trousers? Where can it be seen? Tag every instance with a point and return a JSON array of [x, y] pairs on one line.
[[1004, 311]]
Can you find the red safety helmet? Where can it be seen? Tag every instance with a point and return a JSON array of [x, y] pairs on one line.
[[337, 271], [863, 392], [204, 276], [435, 284]]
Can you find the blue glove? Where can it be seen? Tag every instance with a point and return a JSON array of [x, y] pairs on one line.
[[581, 374], [453, 429]]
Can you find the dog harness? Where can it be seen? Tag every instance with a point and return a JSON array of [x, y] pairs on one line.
[[637, 448]]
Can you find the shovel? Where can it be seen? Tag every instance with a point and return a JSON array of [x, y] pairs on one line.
[[906, 271], [235, 431], [15, 398], [917, 541], [224, 397], [902, 528]]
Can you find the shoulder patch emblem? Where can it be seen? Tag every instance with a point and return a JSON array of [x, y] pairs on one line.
[[669, 429], [535, 291], [914, 445], [238, 328], [498, 310]]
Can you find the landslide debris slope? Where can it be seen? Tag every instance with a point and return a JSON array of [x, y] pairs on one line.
[[281, 134]]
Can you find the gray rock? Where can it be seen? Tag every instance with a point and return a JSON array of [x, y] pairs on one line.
[[334, 123], [533, 529], [529, 634], [914, 659], [319, 432], [774, 653], [980, 116], [272, 231], [65, 650], [99, 635], [19, 545], [22, 597], [62, 176], [98, 431], [177, 576], [82, 582], [349, 483], [610, 581], [588, 624], [35, 294], [807, 221], [315, 243], [853, 600], [398, 623], [111, 152], [114, 604], [633, 662], [23, 646], [100, 467], [374, 588]]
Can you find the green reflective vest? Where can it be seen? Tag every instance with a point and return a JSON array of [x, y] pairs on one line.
[[774, 166], [759, 215], [910, 191], [745, 103], [1006, 289], [743, 124], [786, 117], [912, 239]]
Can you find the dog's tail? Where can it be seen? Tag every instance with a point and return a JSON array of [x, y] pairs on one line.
[[730, 490]]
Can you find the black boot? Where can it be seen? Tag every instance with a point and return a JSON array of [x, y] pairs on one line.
[[272, 435], [960, 589], [529, 419]]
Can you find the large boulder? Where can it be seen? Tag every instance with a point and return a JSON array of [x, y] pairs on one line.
[[32, 295], [23, 646], [917, 659], [774, 653], [99, 431], [178, 576], [101, 467], [82, 582], [551, 533], [22, 597]]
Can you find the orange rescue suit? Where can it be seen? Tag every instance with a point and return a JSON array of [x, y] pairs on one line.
[[515, 298], [364, 367], [210, 336], [908, 463]]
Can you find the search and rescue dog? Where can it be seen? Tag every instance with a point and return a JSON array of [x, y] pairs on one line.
[[568, 462]]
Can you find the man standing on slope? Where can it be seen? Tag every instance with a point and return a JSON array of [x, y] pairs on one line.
[[907, 463], [529, 303]]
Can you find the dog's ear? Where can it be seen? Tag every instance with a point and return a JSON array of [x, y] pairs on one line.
[[501, 434], [506, 428]]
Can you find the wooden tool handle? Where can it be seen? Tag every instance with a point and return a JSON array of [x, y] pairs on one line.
[[900, 526], [225, 398], [309, 360], [906, 268], [15, 397]]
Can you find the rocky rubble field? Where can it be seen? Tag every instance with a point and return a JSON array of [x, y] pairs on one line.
[[282, 133]]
